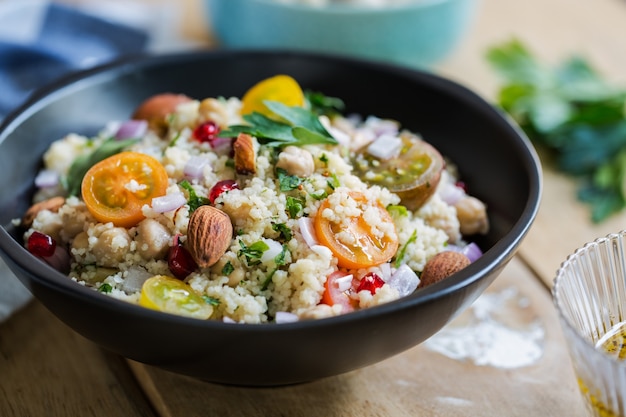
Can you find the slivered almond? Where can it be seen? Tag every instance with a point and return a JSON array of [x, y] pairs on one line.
[[209, 235], [52, 204], [245, 157]]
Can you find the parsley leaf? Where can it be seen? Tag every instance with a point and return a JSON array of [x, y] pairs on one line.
[[228, 269], [194, 200], [105, 288], [574, 113], [298, 126], [285, 232], [287, 182], [252, 253], [211, 300], [81, 164], [295, 206]]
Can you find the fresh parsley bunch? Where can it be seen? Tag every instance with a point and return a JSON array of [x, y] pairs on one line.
[[573, 112]]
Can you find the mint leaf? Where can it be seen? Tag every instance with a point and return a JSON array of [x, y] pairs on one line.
[[83, 163]]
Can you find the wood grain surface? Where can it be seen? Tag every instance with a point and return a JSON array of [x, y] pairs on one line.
[[48, 370]]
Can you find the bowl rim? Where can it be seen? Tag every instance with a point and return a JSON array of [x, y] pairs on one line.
[[347, 9], [497, 255]]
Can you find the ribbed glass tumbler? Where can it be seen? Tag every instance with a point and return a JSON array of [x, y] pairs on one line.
[[590, 294]]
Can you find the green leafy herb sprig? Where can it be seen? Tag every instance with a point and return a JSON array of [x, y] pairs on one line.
[[298, 126], [575, 114]]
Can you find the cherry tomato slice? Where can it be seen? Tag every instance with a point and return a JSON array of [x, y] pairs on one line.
[[171, 295], [413, 175], [368, 249], [334, 295], [282, 88], [115, 189]]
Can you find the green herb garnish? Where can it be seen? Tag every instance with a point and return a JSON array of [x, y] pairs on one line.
[[211, 300], [287, 182], [298, 127], [268, 279], [280, 258], [284, 231], [194, 200], [105, 288], [228, 269], [254, 252], [322, 104], [398, 211], [81, 164], [295, 206], [572, 112], [319, 195], [402, 252], [333, 181]]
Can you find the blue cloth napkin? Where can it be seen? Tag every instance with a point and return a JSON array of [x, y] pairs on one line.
[[68, 40], [65, 40]]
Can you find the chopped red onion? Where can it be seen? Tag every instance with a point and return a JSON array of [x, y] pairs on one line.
[[451, 193], [135, 277], [285, 317], [221, 145], [131, 129], [405, 280], [344, 283], [341, 137], [274, 249], [59, 260], [194, 168], [385, 271], [47, 178], [168, 202], [382, 126], [307, 229], [471, 250], [385, 147]]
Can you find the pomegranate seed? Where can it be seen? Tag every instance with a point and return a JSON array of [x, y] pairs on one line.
[[180, 261], [206, 132], [40, 244], [220, 187], [370, 282]]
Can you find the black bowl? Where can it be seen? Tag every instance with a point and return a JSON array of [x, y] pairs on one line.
[[494, 158]]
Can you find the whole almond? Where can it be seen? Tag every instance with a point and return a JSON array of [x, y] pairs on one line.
[[245, 157], [442, 266], [209, 235], [52, 204], [156, 109]]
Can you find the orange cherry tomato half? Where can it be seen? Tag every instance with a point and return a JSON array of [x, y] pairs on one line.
[[334, 295], [282, 88], [367, 250], [115, 189]]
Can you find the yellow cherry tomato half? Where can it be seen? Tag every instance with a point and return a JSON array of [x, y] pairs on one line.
[[171, 295], [365, 248], [282, 88], [115, 189]]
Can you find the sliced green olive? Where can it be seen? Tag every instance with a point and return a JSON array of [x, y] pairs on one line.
[[413, 175]]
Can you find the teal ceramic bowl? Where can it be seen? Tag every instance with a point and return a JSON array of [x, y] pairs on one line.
[[418, 34]]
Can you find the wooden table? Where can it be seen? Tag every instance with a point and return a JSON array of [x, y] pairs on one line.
[[46, 369]]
